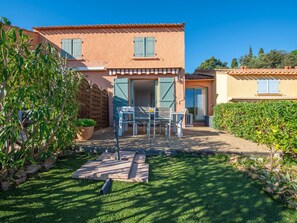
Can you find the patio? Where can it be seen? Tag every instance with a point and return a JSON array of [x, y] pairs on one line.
[[195, 139]]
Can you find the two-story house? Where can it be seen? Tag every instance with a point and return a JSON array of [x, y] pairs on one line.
[[139, 64]]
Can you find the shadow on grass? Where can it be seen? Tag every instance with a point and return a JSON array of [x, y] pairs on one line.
[[181, 189]]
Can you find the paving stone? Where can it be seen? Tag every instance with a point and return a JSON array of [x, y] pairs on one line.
[[6, 185], [139, 158], [32, 169], [87, 170], [139, 172], [105, 155], [115, 169], [21, 180]]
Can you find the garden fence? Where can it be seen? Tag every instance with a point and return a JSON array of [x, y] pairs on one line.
[[93, 103]]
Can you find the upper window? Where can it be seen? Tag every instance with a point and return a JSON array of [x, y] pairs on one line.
[[268, 86], [144, 46], [71, 48]]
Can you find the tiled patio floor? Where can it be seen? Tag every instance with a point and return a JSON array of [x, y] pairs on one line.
[[202, 139]]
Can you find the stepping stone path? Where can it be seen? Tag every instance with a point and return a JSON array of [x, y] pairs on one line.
[[131, 168]]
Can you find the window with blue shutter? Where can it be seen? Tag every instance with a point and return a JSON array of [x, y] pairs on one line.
[[66, 48], [71, 48], [144, 47], [268, 86], [138, 47], [149, 46]]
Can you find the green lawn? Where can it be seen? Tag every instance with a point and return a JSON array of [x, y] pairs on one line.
[[181, 189]]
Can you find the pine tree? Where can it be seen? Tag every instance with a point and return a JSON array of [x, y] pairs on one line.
[[261, 52], [234, 63], [250, 52]]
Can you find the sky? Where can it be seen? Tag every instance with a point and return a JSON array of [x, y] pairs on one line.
[[224, 29]]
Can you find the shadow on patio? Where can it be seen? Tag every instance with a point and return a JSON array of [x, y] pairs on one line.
[[195, 139]]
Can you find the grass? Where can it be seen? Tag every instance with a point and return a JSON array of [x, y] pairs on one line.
[[181, 189]]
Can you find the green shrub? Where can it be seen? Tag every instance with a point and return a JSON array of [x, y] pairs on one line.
[[273, 123], [85, 122], [37, 81]]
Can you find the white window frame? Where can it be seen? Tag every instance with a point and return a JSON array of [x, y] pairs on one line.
[[268, 86], [72, 47]]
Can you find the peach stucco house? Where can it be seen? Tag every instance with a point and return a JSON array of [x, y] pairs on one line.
[[138, 64], [206, 88], [143, 65]]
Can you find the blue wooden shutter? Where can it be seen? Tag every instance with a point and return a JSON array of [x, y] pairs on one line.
[[150, 46], [273, 86], [66, 48], [167, 92], [120, 97], [262, 86], [138, 47], [76, 48]]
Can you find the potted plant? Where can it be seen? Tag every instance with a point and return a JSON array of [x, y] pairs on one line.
[[85, 128]]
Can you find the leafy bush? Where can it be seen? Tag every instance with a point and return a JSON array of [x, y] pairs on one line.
[[35, 80], [281, 183], [271, 123], [85, 122]]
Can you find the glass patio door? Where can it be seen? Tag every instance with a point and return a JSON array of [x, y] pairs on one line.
[[196, 103]]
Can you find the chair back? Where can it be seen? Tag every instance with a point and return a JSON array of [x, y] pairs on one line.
[[142, 113], [162, 113]]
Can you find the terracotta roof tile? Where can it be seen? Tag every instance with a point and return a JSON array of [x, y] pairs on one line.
[[261, 71], [110, 26]]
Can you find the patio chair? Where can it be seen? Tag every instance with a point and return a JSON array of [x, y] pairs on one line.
[[126, 117], [177, 121], [162, 116], [142, 117]]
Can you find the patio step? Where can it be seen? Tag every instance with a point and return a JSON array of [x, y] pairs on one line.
[[139, 172], [115, 169], [106, 155], [126, 155], [139, 158], [87, 170]]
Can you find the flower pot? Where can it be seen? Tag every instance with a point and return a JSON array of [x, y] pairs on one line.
[[85, 133]]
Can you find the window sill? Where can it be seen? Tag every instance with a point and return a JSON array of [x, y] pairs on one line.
[[269, 94], [145, 58]]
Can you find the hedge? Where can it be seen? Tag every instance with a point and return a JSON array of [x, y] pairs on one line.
[[273, 123]]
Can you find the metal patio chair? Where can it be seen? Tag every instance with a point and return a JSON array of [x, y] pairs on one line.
[[142, 117], [162, 116], [126, 117]]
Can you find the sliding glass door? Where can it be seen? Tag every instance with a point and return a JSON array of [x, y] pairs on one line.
[[196, 103]]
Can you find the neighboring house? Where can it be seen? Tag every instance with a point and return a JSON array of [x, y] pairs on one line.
[[138, 64], [206, 88]]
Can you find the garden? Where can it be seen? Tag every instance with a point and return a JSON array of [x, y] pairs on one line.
[[38, 124]]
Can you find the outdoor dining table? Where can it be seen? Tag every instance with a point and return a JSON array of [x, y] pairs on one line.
[[176, 119]]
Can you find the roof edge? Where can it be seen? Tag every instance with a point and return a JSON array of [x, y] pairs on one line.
[[100, 26]]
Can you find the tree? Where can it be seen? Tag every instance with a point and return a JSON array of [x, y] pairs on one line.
[[234, 63], [290, 60], [212, 63], [261, 52], [294, 52], [37, 100], [250, 52]]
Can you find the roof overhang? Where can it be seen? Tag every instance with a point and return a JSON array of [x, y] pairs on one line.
[[262, 98], [106, 26], [262, 72]]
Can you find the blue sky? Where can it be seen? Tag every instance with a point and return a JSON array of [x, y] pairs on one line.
[[224, 29]]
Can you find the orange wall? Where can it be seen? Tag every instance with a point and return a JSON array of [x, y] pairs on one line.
[[204, 83], [114, 48]]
